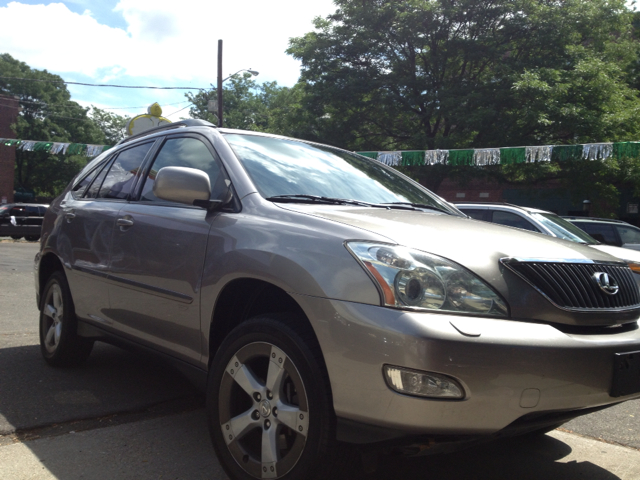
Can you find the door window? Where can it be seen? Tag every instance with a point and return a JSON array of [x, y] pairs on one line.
[[474, 213], [628, 234], [512, 220], [123, 172], [184, 152], [601, 232]]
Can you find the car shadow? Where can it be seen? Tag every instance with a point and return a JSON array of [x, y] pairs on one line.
[[515, 458], [113, 381]]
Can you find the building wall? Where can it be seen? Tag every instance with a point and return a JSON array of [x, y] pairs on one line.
[[9, 108]]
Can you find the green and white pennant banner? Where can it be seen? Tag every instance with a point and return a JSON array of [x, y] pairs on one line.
[[482, 157], [55, 148]]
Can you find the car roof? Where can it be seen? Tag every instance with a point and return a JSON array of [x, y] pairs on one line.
[[500, 205], [596, 220]]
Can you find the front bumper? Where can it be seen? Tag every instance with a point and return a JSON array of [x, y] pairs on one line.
[[509, 369]]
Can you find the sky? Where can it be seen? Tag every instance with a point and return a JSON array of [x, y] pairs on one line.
[[156, 43]]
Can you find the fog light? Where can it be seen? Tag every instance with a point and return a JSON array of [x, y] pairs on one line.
[[422, 384]]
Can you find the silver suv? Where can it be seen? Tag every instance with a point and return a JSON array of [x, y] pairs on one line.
[[548, 223], [609, 231], [326, 302]]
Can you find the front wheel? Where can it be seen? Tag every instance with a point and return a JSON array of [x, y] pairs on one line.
[[269, 403], [59, 343], [16, 237]]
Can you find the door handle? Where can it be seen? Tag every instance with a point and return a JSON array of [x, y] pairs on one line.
[[124, 222], [69, 215]]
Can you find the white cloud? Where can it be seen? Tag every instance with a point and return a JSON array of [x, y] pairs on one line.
[[164, 40]]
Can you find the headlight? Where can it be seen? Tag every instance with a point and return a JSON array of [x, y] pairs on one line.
[[411, 279]]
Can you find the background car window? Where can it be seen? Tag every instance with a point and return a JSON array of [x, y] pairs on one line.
[[512, 220], [628, 234], [477, 214], [183, 152], [562, 228], [602, 233], [123, 172], [19, 211]]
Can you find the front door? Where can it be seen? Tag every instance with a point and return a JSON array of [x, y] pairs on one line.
[[158, 257]]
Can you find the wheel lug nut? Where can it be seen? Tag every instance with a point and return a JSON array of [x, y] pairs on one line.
[[269, 395], [275, 411], [255, 415], [257, 397], [267, 424]]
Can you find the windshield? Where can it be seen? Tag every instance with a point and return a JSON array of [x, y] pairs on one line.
[[561, 228], [281, 166]]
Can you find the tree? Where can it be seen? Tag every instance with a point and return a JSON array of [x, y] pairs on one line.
[[265, 107], [416, 74], [47, 114], [112, 125]]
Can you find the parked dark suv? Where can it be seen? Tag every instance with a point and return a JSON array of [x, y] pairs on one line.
[[320, 297], [609, 231], [19, 220]]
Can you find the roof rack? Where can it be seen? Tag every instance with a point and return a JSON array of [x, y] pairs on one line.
[[576, 217], [190, 122], [505, 204]]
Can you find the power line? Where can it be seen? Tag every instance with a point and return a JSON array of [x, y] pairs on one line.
[[74, 103], [102, 84], [45, 114]]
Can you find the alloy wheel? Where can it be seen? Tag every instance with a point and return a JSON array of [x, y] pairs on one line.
[[263, 410]]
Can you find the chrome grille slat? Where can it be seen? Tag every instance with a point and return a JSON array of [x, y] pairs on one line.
[[571, 285], [591, 301]]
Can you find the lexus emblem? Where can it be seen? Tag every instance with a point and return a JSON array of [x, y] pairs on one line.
[[606, 283]]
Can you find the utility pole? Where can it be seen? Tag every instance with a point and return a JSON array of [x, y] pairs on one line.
[[219, 83]]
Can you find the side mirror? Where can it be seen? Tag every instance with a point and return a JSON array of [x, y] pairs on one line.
[[183, 185]]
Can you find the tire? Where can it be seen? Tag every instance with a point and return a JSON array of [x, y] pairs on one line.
[[269, 403], [32, 238], [59, 343], [16, 237]]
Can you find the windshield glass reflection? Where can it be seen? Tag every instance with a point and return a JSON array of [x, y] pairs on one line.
[[280, 166]]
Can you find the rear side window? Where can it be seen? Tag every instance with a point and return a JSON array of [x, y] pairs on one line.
[[512, 220], [123, 172], [183, 152], [474, 213], [81, 188], [628, 234], [601, 232]]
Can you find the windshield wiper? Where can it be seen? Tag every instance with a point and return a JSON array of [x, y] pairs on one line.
[[416, 205], [301, 198]]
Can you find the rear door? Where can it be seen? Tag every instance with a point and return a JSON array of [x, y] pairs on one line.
[[158, 256], [603, 232], [88, 219]]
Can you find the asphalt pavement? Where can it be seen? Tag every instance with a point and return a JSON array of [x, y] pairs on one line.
[[124, 415]]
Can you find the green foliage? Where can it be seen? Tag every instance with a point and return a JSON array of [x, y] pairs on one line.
[[416, 74], [248, 105], [112, 125], [47, 114]]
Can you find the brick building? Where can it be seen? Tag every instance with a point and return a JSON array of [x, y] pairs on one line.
[[9, 108]]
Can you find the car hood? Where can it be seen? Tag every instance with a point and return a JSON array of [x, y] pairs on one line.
[[478, 246], [471, 243]]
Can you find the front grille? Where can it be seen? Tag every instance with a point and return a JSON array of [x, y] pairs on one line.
[[572, 285]]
